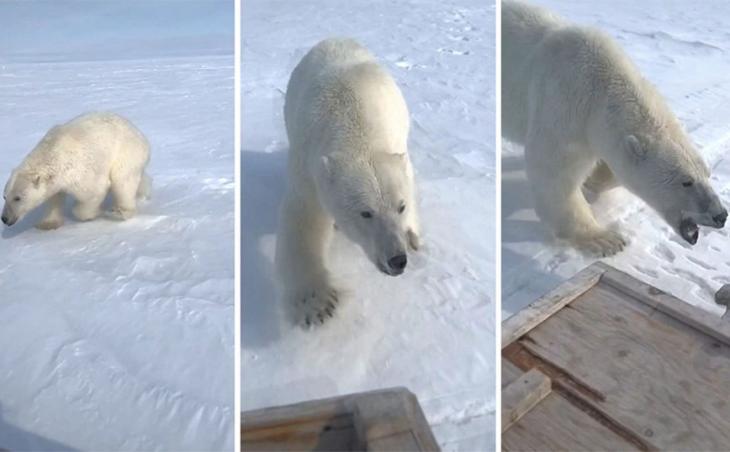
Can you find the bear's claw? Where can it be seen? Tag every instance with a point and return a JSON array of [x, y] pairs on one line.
[[317, 306]]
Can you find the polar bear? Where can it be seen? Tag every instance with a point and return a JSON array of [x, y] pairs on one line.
[[84, 158], [347, 125], [589, 121]]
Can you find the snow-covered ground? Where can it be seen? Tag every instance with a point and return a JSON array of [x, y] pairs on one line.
[[120, 336], [431, 329], [684, 49]]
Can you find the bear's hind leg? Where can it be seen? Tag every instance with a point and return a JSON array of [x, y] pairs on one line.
[[89, 207], [556, 186], [53, 218], [304, 233], [124, 191]]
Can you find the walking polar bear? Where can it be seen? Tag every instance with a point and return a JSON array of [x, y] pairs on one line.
[[347, 124], [589, 121], [84, 158]]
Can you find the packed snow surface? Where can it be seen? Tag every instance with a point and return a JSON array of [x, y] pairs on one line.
[[684, 49], [431, 329], [120, 335]]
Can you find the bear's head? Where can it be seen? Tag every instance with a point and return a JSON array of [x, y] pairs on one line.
[[24, 192], [673, 179], [369, 200]]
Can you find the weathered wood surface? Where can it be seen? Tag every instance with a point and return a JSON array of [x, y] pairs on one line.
[[510, 373], [557, 425], [522, 395], [528, 318], [704, 321], [650, 369], [383, 420]]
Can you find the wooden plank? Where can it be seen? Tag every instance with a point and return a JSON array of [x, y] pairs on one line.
[[522, 395], [510, 373], [389, 419], [384, 417], [660, 379], [697, 318], [335, 433], [397, 442], [555, 424], [547, 305]]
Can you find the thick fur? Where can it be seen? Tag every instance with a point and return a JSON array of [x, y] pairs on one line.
[[585, 114], [347, 124], [84, 158]]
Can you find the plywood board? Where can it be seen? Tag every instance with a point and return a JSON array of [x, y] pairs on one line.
[[651, 370], [658, 377], [522, 395], [557, 425]]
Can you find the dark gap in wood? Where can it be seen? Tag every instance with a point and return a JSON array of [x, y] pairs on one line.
[[568, 387], [522, 357], [604, 420]]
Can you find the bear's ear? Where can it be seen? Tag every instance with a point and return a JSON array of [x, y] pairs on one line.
[[39, 179], [634, 148]]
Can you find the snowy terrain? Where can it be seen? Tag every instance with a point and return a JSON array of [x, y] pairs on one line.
[[684, 49], [120, 336], [431, 329]]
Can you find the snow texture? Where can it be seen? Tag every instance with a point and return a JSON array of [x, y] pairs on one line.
[[120, 335], [684, 49], [431, 329]]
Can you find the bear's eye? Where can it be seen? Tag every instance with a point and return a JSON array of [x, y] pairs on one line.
[[401, 208], [687, 183], [366, 214], [16, 199]]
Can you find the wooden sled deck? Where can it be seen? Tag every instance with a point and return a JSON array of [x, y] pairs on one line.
[[606, 362], [385, 420]]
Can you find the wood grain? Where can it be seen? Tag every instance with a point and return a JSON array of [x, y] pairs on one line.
[[662, 379], [697, 318], [557, 425], [547, 305], [389, 419], [522, 395]]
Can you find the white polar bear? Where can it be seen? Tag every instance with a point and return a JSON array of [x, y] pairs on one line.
[[83, 158], [588, 119], [347, 124]]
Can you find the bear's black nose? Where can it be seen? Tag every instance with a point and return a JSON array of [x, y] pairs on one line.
[[5, 219], [720, 218], [398, 262]]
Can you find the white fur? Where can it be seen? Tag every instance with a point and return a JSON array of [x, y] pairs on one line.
[[585, 114], [84, 158], [347, 124]]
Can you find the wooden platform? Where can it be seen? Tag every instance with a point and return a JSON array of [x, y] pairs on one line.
[[386, 420], [606, 362]]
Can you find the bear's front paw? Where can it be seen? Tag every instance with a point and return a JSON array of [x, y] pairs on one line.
[[47, 225], [316, 304], [602, 243]]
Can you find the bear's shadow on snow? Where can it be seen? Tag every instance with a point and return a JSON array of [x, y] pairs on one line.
[[517, 196], [14, 438], [263, 176]]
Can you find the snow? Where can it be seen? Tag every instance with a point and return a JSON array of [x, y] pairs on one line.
[[120, 336], [431, 329], [681, 47]]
